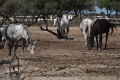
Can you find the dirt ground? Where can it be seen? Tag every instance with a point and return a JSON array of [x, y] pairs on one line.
[[56, 59]]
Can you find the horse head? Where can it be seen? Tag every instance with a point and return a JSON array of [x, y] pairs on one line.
[[90, 41], [31, 47]]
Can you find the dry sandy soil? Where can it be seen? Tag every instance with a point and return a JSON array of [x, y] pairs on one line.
[[56, 59]]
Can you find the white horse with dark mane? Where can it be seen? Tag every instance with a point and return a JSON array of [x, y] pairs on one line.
[[15, 33], [85, 27], [63, 26]]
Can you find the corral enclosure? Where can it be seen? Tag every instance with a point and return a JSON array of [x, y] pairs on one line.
[[56, 59]]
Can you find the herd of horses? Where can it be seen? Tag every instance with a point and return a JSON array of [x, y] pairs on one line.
[[14, 33], [96, 28], [90, 29]]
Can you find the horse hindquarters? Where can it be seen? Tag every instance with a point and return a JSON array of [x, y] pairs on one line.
[[63, 32]]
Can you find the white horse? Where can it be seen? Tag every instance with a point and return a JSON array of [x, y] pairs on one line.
[[85, 27], [63, 25], [16, 33]]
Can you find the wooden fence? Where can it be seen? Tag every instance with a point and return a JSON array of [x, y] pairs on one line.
[[75, 22], [116, 21]]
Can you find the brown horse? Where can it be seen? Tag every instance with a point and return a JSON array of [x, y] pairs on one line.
[[99, 27]]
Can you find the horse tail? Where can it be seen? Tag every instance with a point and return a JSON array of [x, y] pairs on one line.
[[112, 26], [89, 28], [5, 45], [112, 30]]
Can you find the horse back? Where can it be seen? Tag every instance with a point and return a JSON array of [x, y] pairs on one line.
[[16, 32], [101, 26], [64, 22]]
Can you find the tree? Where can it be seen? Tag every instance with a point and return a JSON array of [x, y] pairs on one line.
[[116, 6], [106, 4], [43, 7], [8, 9], [110, 5], [102, 13]]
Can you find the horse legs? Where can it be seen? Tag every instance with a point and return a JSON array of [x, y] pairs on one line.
[[106, 40], [17, 74], [10, 45], [97, 40], [60, 36], [85, 36], [100, 41], [66, 33], [23, 47]]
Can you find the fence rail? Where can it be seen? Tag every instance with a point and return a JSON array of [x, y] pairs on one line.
[[75, 22], [116, 21]]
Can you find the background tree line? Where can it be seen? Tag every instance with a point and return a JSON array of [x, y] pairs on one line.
[[44, 8], [110, 6]]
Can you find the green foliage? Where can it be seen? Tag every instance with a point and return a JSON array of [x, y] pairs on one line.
[[34, 8], [105, 4], [2, 2], [9, 7], [45, 6], [110, 5]]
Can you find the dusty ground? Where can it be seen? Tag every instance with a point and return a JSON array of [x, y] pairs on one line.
[[69, 59]]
